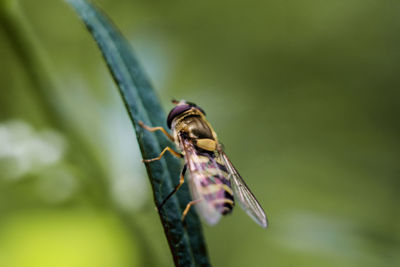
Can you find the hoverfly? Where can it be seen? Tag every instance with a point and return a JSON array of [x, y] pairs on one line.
[[213, 180]]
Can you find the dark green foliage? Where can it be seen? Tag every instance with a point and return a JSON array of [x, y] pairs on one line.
[[185, 239]]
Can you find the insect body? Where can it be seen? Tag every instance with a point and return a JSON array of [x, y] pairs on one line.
[[213, 180]]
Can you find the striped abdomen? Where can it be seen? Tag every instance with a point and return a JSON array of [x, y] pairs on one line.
[[218, 193], [215, 186]]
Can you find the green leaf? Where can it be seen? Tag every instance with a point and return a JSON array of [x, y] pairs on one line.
[[185, 239]]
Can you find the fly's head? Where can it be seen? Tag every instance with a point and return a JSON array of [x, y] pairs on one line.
[[183, 108]]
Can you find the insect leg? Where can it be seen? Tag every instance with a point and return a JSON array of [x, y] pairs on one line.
[[191, 203], [173, 152], [181, 181], [159, 128]]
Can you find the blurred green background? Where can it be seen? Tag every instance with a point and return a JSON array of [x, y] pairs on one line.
[[303, 94]]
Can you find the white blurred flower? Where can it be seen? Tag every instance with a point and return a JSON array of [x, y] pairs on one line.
[[22, 149]]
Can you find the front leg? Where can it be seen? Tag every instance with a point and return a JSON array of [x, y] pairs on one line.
[[173, 152], [159, 128]]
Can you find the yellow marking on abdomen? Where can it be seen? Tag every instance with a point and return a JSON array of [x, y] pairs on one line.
[[222, 201], [201, 159], [213, 188], [209, 171], [226, 209], [219, 161]]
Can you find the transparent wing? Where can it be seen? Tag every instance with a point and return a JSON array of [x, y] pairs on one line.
[[243, 195], [197, 175]]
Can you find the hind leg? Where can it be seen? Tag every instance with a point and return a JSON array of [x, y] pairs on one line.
[[188, 206], [181, 181]]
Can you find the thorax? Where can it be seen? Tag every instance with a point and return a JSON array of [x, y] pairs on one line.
[[194, 127]]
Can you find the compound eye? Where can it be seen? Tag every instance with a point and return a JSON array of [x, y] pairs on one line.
[[175, 112], [196, 106]]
